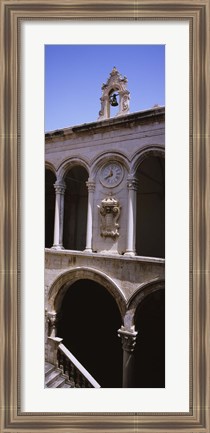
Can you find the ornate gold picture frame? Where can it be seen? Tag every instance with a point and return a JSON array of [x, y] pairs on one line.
[[13, 13]]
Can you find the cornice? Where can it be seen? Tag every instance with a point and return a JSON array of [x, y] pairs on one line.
[[156, 114]]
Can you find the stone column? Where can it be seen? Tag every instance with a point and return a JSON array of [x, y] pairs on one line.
[[131, 227], [91, 188], [59, 214], [128, 338]]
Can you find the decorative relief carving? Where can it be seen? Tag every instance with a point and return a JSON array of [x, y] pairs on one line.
[[125, 102], [101, 112], [109, 212], [52, 319]]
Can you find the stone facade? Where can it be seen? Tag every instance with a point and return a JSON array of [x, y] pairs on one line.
[[97, 192]]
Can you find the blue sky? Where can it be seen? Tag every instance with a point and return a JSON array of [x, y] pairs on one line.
[[74, 75]]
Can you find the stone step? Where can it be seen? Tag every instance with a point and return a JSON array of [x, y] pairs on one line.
[[58, 383], [66, 385], [52, 376], [48, 368]]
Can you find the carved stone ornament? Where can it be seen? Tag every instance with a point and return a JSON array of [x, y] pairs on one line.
[[52, 319], [116, 83], [109, 212], [128, 339], [60, 187]]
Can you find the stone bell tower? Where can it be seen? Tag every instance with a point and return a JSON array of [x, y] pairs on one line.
[[115, 86]]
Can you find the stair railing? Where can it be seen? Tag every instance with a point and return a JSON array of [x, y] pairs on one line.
[[75, 372]]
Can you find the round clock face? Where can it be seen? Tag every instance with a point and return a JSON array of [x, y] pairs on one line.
[[111, 174]]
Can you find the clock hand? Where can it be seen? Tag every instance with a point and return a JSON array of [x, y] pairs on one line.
[[106, 177], [109, 175]]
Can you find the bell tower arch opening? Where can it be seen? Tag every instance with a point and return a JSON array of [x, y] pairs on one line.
[[114, 94], [75, 209], [88, 323], [113, 107]]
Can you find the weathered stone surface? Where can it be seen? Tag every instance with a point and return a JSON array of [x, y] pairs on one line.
[[129, 273], [105, 158]]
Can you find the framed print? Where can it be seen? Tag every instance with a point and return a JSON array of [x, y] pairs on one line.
[[83, 242]]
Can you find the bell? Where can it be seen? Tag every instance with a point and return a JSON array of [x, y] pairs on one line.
[[113, 100]]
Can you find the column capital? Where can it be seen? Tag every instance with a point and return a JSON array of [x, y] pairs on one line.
[[60, 186], [90, 185], [132, 183], [51, 315], [128, 338]]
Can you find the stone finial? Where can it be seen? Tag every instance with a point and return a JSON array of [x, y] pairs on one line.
[[116, 83]]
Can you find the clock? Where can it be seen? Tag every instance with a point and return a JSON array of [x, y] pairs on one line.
[[111, 174]]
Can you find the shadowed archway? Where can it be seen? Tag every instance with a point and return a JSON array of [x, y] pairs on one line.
[[150, 234], [50, 180], [75, 208], [149, 361], [88, 322]]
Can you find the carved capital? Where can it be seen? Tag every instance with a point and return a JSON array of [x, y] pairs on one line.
[[132, 183], [128, 339], [60, 187], [90, 185]]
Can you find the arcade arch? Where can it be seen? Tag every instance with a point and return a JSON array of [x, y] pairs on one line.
[[66, 279], [150, 207], [144, 321], [50, 179], [88, 322], [149, 355], [75, 208], [105, 157]]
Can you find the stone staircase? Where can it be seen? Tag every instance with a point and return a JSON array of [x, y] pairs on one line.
[[59, 360], [54, 378]]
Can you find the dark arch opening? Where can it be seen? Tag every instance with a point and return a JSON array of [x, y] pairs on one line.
[[149, 354], [150, 233], [89, 320], [49, 207], [75, 209]]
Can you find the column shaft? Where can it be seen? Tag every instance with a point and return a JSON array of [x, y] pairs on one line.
[[59, 214], [128, 338], [128, 370], [91, 188], [131, 227]]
